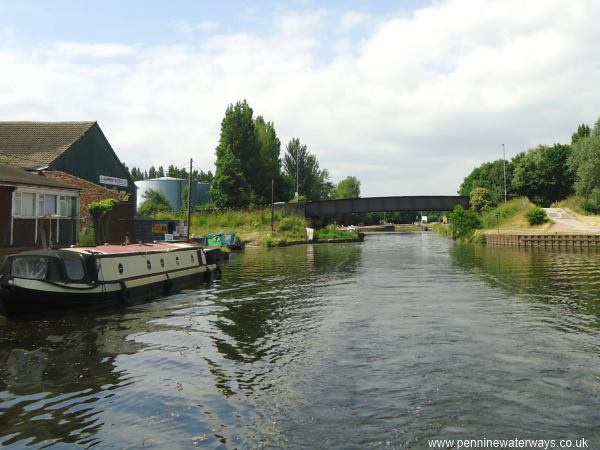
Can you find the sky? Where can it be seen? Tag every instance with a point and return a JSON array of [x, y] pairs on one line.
[[408, 96]]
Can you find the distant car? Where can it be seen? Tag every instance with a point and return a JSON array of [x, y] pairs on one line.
[[352, 228]]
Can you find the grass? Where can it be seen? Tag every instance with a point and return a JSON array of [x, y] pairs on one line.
[[333, 232], [253, 227], [512, 218]]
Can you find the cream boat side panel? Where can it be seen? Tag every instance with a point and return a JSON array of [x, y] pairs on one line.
[[137, 265]]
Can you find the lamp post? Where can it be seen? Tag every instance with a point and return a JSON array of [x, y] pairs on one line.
[[504, 169]]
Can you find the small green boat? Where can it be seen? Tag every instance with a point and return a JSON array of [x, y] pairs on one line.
[[229, 240]]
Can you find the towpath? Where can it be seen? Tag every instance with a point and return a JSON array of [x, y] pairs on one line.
[[565, 222]]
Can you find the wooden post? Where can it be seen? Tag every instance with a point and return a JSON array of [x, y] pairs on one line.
[[272, 206]]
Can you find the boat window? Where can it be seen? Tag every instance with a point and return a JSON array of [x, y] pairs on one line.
[[162, 262], [121, 268], [192, 258], [74, 269], [177, 260], [148, 264], [30, 266]]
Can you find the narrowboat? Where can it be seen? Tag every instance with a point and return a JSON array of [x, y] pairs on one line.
[[103, 276]]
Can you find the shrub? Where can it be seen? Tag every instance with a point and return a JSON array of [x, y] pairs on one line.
[[88, 237], [592, 203], [536, 216], [332, 232], [463, 222]]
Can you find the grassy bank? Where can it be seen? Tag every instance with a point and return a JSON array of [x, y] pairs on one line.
[[511, 218], [253, 227]]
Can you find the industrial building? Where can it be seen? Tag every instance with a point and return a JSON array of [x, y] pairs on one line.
[[173, 189]]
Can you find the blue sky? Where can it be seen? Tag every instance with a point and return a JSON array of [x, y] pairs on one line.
[[408, 96], [151, 22]]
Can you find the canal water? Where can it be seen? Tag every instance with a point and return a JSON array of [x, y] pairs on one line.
[[382, 344]]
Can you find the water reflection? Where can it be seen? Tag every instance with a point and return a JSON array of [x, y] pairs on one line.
[[183, 371], [569, 277]]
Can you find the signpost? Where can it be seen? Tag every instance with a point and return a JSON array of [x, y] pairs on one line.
[[113, 181]]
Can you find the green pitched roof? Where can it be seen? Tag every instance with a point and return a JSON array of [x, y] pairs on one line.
[[12, 175], [33, 145]]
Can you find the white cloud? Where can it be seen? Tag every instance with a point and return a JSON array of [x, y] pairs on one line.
[[352, 19], [87, 50], [409, 110], [187, 27]]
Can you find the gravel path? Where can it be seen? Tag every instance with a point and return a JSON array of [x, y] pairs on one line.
[[566, 222]]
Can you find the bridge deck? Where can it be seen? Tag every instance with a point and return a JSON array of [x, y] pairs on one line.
[[332, 208]]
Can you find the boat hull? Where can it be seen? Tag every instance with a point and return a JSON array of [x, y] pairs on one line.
[[34, 298]]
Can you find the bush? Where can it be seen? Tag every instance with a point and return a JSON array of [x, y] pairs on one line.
[[463, 222], [88, 237], [333, 232], [592, 203], [536, 216]]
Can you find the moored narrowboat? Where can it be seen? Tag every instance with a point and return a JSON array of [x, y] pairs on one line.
[[92, 277]]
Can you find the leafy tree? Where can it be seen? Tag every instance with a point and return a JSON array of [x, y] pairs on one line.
[[582, 132], [229, 187], [347, 188], [270, 163], [238, 159], [585, 162], [313, 182], [152, 172], [160, 172], [543, 174], [136, 174], [490, 175], [480, 199], [153, 203], [463, 222]]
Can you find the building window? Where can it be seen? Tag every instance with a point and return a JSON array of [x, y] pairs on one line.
[[47, 204], [24, 204], [67, 206]]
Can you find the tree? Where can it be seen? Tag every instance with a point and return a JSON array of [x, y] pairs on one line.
[[270, 162], [136, 174], [347, 188], [582, 132], [229, 187], [153, 202], [313, 182], [490, 175], [585, 162], [152, 172], [161, 172], [480, 199], [543, 174], [238, 158]]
